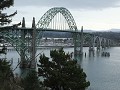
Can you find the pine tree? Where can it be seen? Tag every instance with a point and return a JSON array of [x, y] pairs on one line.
[[61, 72], [6, 75], [4, 18], [31, 82]]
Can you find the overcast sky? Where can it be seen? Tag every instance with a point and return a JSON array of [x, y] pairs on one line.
[[92, 14]]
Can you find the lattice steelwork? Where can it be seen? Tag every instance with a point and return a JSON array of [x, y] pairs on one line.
[[14, 37], [50, 14], [22, 40]]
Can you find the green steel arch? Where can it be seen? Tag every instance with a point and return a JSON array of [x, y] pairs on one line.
[[103, 42], [97, 39], [49, 15], [97, 42]]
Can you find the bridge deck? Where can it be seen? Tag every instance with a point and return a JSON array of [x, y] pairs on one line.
[[39, 29]]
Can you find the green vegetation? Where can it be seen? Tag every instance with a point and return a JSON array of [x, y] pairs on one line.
[[4, 18], [31, 82], [7, 81], [6, 75], [61, 72]]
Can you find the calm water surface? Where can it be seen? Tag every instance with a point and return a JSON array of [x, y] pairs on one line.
[[102, 72]]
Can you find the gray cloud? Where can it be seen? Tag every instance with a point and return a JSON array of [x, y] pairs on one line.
[[81, 4]]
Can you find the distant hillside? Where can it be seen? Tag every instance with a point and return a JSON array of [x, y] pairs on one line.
[[110, 35], [114, 30], [89, 31], [110, 30], [57, 34]]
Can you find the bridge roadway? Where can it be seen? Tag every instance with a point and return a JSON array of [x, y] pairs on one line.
[[40, 29]]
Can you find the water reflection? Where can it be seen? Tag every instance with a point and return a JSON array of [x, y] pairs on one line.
[[91, 54], [79, 59], [98, 53]]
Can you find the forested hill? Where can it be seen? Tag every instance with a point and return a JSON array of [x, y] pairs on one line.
[[50, 34], [111, 35]]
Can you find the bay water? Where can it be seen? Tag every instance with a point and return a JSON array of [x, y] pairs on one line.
[[102, 72]]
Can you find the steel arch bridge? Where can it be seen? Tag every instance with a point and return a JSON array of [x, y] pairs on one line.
[[50, 14], [25, 40]]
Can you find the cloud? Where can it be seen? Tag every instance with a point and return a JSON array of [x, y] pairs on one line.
[[92, 14], [79, 4]]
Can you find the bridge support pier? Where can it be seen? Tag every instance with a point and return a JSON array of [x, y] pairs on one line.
[[81, 46], [103, 46], [33, 62], [91, 51], [28, 53], [98, 48], [78, 44], [23, 63]]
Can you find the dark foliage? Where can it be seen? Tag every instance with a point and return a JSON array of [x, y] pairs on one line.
[[61, 72], [4, 18], [6, 75], [31, 82], [5, 4]]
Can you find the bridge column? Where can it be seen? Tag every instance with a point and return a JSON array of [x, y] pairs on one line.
[[22, 50], [78, 44], [103, 44], [107, 43], [91, 51], [75, 44], [92, 47], [33, 62], [98, 44], [98, 48], [81, 46]]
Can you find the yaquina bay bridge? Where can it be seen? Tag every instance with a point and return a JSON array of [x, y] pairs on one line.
[[58, 19]]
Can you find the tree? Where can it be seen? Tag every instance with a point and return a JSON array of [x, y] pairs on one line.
[[7, 81], [31, 82], [5, 75], [4, 18], [61, 72]]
